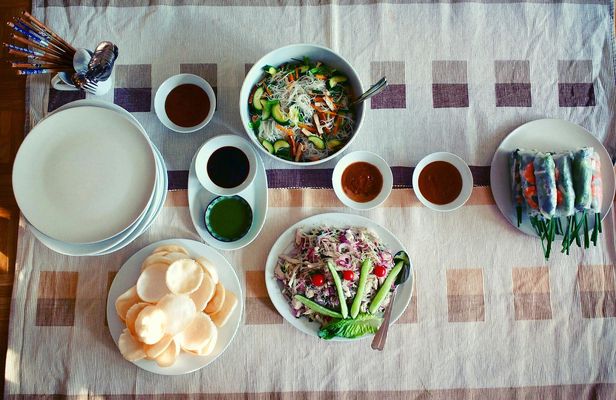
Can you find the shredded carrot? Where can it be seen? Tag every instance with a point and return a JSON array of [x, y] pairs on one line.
[[296, 73], [307, 127], [320, 76], [288, 131], [319, 110], [267, 90], [291, 77], [337, 124]]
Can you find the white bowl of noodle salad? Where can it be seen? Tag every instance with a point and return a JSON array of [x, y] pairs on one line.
[[295, 104]]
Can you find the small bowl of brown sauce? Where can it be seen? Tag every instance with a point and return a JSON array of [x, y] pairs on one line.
[[442, 181], [185, 103], [362, 180]]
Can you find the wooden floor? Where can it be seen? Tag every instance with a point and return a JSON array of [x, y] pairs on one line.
[[12, 114]]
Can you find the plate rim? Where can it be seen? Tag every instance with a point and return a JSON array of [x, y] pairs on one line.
[[499, 150], [112, 317], [282, 307]]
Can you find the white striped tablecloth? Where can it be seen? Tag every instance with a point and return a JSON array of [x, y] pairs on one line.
[[489, 317]]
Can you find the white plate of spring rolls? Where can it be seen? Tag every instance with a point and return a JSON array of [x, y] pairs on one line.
[[552, 136]]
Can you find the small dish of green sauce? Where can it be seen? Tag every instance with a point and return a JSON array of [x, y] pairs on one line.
[[228, 218]]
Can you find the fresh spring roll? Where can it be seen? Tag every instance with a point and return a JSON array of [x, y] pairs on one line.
[[596, 186], [527, 178], [565, 196], [517, 197], [582, 178], [545, 180]]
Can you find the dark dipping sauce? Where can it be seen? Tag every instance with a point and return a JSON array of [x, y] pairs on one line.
[[228, 167], [187, 105], [440, 182], [362, 182]]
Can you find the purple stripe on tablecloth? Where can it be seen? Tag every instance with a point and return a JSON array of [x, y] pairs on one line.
[[178, 180], [322, 178], [576, 95]]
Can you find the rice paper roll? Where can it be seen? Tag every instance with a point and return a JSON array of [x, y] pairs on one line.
[[545, 181], [596, 186], [582, 178], [565, 195], [527, 179], [517, 198]]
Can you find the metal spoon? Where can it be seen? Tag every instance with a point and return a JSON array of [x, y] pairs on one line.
[[378, 343], [375, 89], [101, 63]]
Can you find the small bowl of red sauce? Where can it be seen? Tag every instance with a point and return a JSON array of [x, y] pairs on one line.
[[442, 181], [362, 180], [185, 103]]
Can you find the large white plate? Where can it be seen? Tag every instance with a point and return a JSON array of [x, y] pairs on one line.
[[255, 195], [127, 277], [138, 227], [84, 175], [546, 135], [403, 296]]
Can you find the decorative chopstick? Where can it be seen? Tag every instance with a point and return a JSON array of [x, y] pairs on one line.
[[46, 29], [34, 35], [51, 50], [36, 58], [34, 52], [36, 71]]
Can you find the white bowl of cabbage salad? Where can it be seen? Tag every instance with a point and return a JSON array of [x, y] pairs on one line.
[[320, 141]]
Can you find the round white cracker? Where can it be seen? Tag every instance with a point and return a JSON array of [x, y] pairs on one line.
[[169, 355], [204, 294], [217, 301], [151, 285], [184, 276], [171, 248], [125, 301], [129, 347], [208, 348], [180, 311], [154, 350], [131, 316], [150, 324], [198, 332], [208, 268], [221, 317]]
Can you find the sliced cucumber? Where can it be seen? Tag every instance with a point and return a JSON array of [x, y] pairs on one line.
[[316, 307], [268, 146], [294, 115], [334, 80], [266, 110], [277, 114], [256, 99], [281, 144], [317, 141], [344, 309], [333, 144], [270, 70], [304, 68], [284, 153]]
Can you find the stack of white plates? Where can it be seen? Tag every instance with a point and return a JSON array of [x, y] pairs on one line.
[[88, 179]]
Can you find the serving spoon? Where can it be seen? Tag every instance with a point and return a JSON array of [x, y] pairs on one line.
[[378, 343], [375, 89]]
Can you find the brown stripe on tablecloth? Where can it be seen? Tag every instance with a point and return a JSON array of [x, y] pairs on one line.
[[465, 299], [554, 392], [110, 277], [178, 198], [531, 293], [259, 307], [208, 71], [512, 71], [55, 305], [284, 3], [410, 314], [597, 287]]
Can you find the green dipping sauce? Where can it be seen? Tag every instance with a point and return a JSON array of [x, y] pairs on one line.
[[228, 218]]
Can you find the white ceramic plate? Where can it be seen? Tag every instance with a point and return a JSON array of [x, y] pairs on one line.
[[84, 175], [403, 296], [546, 135], [124, 238], [255, 195], [127, 277]]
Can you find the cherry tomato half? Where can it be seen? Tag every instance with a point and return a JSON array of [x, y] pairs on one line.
[[348, 275], [380, 271], [318, 280]]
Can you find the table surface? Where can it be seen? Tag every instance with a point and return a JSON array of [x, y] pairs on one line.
[[12, 92], [12, 109]]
